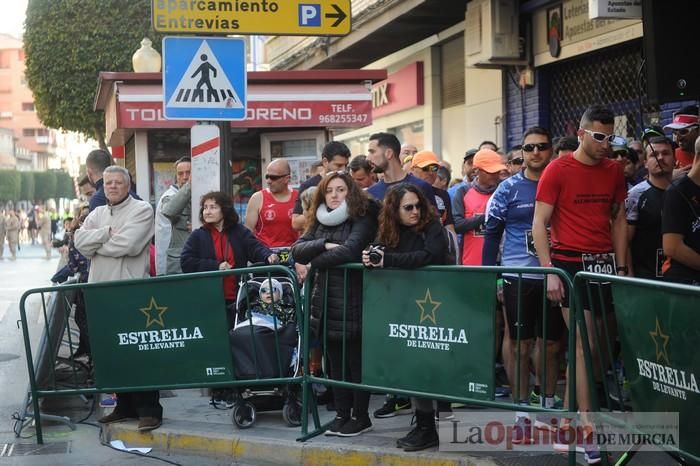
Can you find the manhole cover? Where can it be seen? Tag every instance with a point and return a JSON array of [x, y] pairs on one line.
[[30, 449], [8, 357]]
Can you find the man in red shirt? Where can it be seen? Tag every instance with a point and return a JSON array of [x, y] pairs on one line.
[[580, 197], [269, 212]]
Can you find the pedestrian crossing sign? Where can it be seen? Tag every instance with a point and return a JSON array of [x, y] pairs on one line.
[[204, 78]]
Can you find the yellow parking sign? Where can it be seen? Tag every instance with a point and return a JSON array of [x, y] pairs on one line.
[[271, 17]]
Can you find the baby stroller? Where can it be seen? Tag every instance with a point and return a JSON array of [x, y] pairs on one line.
[[265, 343]]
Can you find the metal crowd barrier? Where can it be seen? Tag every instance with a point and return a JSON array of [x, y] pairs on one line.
[[658, 333], [57, 333], [168, 332], [449, 311]]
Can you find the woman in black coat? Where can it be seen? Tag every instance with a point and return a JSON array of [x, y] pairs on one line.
[[222, 243], [341, 222], [410, 236]]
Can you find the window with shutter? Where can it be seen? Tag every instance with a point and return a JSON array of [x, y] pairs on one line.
[[452, 72]]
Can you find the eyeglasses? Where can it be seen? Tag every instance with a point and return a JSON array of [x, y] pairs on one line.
[[275, 177], [541, 146], [599, 137], [431, 168], [516, 160], [685, 131], [410, 207]]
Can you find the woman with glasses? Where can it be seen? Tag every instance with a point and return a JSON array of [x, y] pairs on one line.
[[340, 223], [410, 236], [222, 243]]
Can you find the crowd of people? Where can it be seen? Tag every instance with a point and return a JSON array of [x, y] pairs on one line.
[[594, 202], [38, 224]]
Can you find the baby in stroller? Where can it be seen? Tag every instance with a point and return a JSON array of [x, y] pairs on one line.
[[265, 344], [270, 310]]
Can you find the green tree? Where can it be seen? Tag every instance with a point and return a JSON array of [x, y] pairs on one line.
[[45, 188], [10, 182], [67, 43], [64, 186], [27, 188]]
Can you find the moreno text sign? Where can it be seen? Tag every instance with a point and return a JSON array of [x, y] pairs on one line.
[[283, 17]]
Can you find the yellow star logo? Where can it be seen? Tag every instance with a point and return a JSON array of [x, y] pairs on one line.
[[430, 315], [661, 343], [152, 309]]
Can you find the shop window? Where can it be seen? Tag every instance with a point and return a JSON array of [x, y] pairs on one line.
[[452, 72]]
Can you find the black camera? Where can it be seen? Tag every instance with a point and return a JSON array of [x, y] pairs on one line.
[[375, 254]]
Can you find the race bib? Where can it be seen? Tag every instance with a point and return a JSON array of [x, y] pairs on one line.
[[481, 229], [599, 263], [530, 242], [282, 253], [660, 259]]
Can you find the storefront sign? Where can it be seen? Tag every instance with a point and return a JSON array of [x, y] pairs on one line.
[[349, 114], [400, 91], [436, 337], [158, 334], [630, 9], [267, 17], [577, 33]]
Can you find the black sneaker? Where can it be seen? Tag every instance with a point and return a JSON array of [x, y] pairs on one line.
[[392, 407], [336, 425], [355, 426], [423, 438]]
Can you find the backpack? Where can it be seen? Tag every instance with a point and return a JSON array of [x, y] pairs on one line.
[[452, 251]]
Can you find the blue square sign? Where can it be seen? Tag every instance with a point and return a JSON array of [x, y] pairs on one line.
[[309, 15], [204, 78]]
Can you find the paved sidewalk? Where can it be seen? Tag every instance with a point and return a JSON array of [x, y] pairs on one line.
[[191, 424]]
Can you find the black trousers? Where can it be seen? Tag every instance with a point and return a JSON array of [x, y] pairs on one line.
[[347, 399], [140, 404]]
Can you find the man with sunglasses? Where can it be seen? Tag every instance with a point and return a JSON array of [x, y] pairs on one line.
[[643, 208], [580, 198], [685, 132], [681, 226], [469, 211], [269, 212], [510, 212], [425, 165]]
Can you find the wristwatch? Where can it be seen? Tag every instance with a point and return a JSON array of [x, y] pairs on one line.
[[623, 268]]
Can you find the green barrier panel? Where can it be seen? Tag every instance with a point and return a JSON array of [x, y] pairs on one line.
[[659, 334], [159, 334], [442, 323]]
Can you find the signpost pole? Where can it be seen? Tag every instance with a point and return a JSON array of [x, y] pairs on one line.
[[225, 156]]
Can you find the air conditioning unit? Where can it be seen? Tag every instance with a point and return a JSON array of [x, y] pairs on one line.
[[492, 36]]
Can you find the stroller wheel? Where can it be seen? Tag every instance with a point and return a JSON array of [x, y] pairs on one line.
[[291, 413], [243, 414]]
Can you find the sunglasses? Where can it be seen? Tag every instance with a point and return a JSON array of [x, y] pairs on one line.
[[431, 168], [599, 137], [264, 290], [516, 160], [337, 172], [541, 146], [685, 131], [275, 177], [410, 207]]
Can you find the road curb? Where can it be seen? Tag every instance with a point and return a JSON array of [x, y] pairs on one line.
[[274, 451]]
